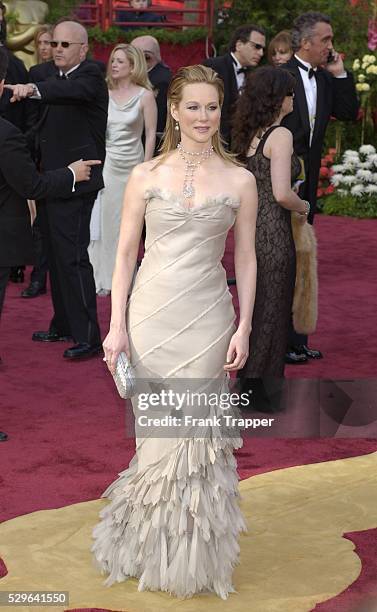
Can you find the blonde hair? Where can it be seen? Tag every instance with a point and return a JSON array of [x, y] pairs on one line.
[[139, 71], [191, 75], [43, 29]]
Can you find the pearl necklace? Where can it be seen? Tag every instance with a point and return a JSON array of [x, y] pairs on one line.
[[190, 166]]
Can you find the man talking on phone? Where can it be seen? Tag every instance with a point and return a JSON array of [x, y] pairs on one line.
[[323, 89]]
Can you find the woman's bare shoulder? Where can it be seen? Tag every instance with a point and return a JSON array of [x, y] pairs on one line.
[[143, 170], [239, 181], [242, 177], [281, 134], [148, 95]]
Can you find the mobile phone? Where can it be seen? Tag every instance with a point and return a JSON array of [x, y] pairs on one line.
[[330, 57]]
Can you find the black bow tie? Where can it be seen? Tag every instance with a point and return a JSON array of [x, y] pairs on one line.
[[243, 70], [311, 72], [62, 77]]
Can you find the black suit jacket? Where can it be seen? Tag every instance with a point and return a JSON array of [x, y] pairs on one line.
[[335, 97], [20, 180], [224, 66], [35, 108], [16, 112], [40, 72], [160, 77], [73, 122]]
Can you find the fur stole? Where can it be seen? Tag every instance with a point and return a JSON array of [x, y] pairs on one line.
[[305, 302]]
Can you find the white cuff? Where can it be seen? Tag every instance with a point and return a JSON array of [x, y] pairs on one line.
[[36, 93], [74, 178], [344, 75]]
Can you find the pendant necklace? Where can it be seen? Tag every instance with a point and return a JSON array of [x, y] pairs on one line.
[[192, 162]]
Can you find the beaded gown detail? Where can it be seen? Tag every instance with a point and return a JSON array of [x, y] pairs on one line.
[[276, 273], [174, 519]]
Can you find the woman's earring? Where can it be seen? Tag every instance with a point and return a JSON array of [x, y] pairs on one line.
[[176, 127]]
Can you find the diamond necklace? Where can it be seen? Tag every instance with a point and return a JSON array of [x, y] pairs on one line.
[[190, 166]]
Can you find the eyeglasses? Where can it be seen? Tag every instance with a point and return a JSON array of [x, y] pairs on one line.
[[64, 43], [256, 46], [290, 94]]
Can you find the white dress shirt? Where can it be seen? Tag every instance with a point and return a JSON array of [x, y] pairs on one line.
[[240, 78], [310, 86]]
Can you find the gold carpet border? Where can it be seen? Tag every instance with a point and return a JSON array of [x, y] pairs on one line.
[[293, 557]]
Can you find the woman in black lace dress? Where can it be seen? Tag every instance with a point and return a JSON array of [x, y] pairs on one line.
[[267, 149]]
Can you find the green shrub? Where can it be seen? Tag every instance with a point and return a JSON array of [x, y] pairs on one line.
[[350, 206], [115, 34], [350, 23], [60, 8]]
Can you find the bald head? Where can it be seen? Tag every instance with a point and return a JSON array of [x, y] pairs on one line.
[[67, 57], [150, 47], [75, 30]]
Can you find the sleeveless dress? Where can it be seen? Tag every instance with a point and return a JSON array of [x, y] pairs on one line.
[[276, 273], [124, 150], [174, 518]]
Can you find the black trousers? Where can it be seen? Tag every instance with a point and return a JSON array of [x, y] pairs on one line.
[[71, 274], [39, 272], [4, 276]]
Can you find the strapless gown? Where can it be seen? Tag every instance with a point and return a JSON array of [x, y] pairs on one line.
[[174, 519]]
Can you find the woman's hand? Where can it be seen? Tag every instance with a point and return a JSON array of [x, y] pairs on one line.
[[115, 342], [238, 351]]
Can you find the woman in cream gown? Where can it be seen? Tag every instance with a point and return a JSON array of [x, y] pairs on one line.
[[132, 108], [173, 520]]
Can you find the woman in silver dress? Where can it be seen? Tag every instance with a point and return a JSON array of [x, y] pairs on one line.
[[132, 110]]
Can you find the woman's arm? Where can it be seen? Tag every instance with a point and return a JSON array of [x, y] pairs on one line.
[[128, 246], [279, 147], [149, 107], [246, 271]]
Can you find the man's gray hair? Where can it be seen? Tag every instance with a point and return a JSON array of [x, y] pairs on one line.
[[303, 27]]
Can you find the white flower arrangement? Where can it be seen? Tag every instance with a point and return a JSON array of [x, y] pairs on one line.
[[367, 150], [371, 188], [364, 175], [338, 168], [366, 72], [354, 175], [357, 190], [366, 165], [348, 179]]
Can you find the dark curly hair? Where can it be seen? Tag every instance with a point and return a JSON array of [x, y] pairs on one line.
[[259, 105]]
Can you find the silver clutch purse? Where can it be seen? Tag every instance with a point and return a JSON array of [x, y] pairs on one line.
[[124, 377]]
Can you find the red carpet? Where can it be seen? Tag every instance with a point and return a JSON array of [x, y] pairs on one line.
[[66, 425], [347, 269]]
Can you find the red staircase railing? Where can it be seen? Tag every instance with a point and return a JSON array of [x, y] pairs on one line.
[[104, 14]]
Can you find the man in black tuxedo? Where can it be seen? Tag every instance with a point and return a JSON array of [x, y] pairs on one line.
[[246, 50], [323, 89], [73, 122], [20, 180]]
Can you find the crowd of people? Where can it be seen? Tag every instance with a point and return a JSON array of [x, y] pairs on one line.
[[241, 148]]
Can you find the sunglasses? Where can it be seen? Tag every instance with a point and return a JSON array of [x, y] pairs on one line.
[[64, 43], [256, 46], [148, 55]]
